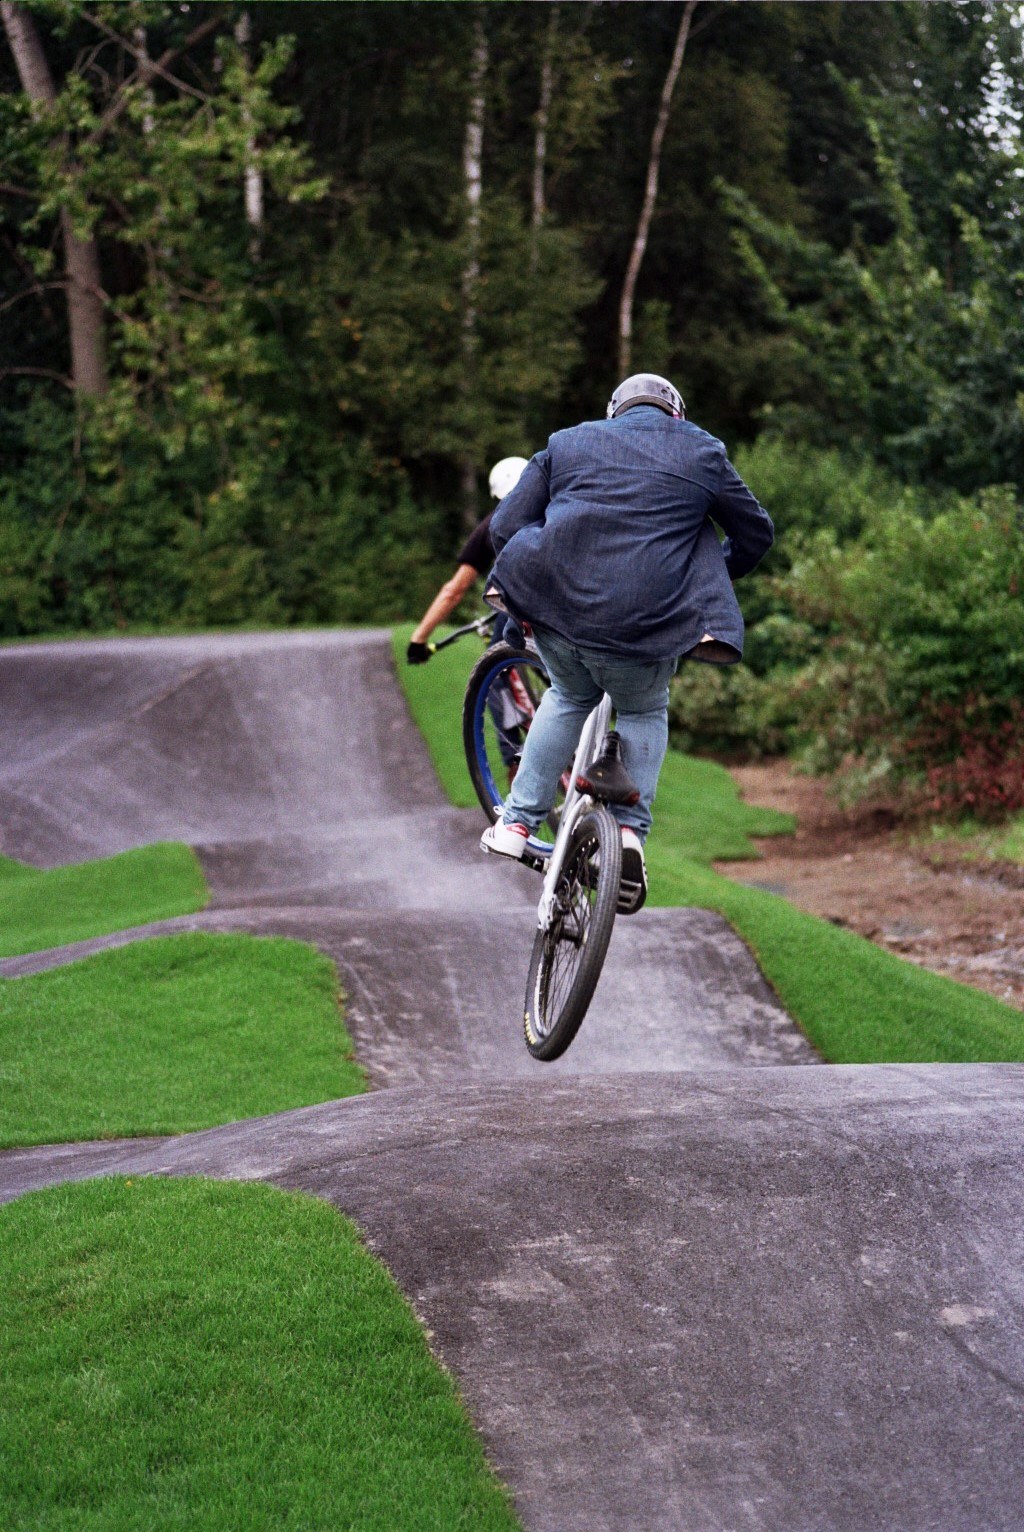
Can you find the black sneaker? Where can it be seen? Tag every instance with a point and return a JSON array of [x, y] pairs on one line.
[[633, 879]]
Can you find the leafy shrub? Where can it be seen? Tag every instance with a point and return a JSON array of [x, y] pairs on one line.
[[921, 666], [728, 711], [885, 638], [123, 516], [973, 758], [761, 707]]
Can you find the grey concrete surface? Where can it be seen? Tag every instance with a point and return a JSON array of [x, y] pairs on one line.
[[428, 1002], [289, 762], [677, 1291], [733, 1299]]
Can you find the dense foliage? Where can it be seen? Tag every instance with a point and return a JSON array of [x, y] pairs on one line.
[[327, 307]]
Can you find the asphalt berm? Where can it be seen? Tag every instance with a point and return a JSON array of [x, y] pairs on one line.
[[681, 1283]]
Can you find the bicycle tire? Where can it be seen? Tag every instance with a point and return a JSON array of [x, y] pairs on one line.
[[489, 670], [557, 999]]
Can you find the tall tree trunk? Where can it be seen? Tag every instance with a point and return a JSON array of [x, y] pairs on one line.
[[540, 136], [472, 167], [146, 65], [84, 288], [650, 194], [253, 173]]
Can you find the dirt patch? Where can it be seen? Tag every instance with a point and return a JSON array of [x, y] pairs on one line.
[[960, 917]]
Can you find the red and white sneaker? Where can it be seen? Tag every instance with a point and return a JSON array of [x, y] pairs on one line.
[[505, 840], [633, 879]]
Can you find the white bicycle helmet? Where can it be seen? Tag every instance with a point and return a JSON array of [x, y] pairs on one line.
[[505, 476], [646, 388]]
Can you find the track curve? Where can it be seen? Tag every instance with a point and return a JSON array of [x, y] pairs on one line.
[[677, 1290]]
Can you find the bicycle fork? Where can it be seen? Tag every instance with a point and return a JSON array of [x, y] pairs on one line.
[[576, 803]]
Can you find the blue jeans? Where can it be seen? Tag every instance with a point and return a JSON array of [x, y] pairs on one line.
[[579, 676]]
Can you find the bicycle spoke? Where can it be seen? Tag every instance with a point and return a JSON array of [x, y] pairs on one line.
[[567, 938], [502, 697], [568, 956]]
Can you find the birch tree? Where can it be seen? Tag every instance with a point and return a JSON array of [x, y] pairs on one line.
[[472, 168], [540, 135], [643, 228], [83, 287], [253, 173]]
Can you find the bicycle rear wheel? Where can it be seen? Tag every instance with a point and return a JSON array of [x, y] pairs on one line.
[[568, 957], [502, 696]]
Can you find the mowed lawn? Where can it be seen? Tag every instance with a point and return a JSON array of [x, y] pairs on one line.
[[189, 1356], [170, 1035], [40, 909], [857, 1003]]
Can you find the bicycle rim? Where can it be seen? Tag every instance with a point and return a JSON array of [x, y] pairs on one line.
[[568, 957]]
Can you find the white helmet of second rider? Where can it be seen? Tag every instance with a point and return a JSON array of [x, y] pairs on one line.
[[505, 476]]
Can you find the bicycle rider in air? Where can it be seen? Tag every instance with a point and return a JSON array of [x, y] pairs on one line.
[[607, 549]]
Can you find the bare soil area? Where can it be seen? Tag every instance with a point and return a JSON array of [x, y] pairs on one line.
[[933, 904]]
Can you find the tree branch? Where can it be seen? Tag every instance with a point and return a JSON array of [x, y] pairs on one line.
[[37, 372], [35, 291], [148, 69], [710, 16], [636, 255]]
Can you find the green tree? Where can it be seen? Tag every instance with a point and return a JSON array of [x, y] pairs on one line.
[[910, 345]]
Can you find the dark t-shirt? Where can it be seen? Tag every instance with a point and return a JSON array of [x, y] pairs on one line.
[[478, 550]]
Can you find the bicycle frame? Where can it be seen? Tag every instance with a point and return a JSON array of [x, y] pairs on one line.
[[576, 803]]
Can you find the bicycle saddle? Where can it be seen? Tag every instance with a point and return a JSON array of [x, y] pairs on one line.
[[606, 778]]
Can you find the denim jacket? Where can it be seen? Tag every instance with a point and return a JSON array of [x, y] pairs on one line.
[[608, 538]]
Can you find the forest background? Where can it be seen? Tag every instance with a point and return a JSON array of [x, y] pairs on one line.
[[281, 281]]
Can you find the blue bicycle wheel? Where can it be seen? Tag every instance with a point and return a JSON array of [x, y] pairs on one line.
[[502, 696]]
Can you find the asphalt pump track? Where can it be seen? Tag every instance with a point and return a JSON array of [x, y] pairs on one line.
[[681, 1283]]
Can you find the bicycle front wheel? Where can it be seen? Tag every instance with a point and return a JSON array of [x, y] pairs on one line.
[[502, 696], [568, 957]]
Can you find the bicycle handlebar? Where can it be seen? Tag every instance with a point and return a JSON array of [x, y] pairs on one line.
[[480, 626]]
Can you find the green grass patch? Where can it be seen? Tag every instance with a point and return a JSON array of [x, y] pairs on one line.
[[10, 869], [978, 842], [170, 1035], [700, 813], [434, 692], [189, 1354], [1010, 846], [69, 904], [857, 1003]]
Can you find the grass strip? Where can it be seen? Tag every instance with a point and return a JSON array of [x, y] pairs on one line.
[[980, 842], [170, 1035], [10, 869], [40, 909], [857, 1003], [197, 1355]]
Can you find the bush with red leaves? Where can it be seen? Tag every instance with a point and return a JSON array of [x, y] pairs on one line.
[[972, 753]]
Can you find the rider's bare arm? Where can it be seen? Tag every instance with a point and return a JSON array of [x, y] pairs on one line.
[[445, 602]]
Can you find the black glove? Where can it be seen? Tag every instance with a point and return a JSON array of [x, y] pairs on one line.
[[418, 654]]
